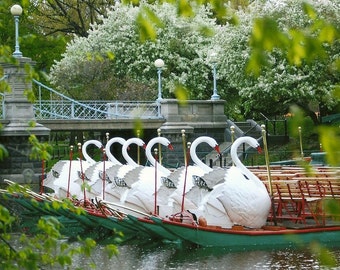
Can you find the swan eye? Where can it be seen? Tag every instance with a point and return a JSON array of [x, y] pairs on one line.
[[120, 182], [55, 174], [167, 182]]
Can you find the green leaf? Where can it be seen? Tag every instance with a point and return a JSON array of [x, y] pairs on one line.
[[3, 152], [309, 10], [206, 31], [181, 93], [328, 33], [110, 55], [325, 257], [112, 250], [336, 90], [145, 28], [184, 8], [329, 138], [266, 35]]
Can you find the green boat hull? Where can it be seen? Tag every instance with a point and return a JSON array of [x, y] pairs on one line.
[[115, 225], [251, 239], [73, 224], [151, 228]]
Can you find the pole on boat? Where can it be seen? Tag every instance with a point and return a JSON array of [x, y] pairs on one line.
[[104, 160], [265, 146], [232, 132], [156, 158], [104, 170], [159, 148], [42, 176], [301, 148], [184, 147], [81, 171], [187, 155], [138, 151], [69, 172]]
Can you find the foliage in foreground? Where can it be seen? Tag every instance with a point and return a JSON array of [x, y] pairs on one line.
[[45, 249]]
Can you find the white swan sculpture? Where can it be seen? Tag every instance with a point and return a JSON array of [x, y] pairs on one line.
[[141, 196], [116, 173], [94, 174], [196, 170], [240, 199], [243, 194], [69, 170]]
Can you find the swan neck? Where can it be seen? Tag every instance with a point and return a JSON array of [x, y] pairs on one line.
[[125, 154], [84, 150], [110, 156], [237, 162], [149, 155], [194, 156]]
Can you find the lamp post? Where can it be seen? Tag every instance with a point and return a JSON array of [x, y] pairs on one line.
[[16, 11], [159, 64], [213, 57]]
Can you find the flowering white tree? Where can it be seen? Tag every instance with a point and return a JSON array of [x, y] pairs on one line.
[[287, 79], [112, 62], [114, 52]]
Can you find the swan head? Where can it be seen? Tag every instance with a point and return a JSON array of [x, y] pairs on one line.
[[137, 141], [211, 141], [249, 140], [255, 144], [95, 142], [161, 140]]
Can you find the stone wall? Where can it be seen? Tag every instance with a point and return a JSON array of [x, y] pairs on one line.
[[197, 118]]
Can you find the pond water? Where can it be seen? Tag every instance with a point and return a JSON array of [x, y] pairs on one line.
[[169, 256]]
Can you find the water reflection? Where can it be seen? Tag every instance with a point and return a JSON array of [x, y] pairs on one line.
[[169, 256]]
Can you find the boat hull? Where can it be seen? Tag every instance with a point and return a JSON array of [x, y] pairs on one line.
[[154, 230], [244, 238]]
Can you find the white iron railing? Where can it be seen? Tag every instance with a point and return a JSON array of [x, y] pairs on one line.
[[63, 107]]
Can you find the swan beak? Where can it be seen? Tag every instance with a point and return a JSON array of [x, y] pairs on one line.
[[144, 146], [217, 148], [259, 149], [170, 147]]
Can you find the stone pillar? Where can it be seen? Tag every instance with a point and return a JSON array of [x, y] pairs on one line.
[[197, 118], [18, 117]]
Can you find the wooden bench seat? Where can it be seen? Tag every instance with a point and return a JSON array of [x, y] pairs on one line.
[[275, 176], [296, 202], [301, 198], [328, 187]]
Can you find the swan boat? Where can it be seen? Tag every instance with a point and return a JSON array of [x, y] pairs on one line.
[[242, 233]]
